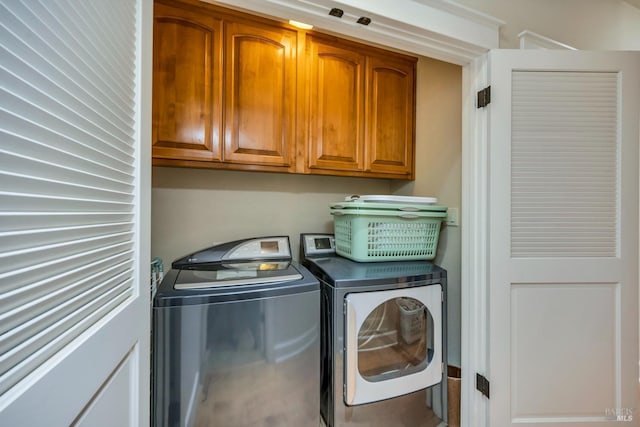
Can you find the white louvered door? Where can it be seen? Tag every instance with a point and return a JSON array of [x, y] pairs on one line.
[[74, 178], [563, 238]]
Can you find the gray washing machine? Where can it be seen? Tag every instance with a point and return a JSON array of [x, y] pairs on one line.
[[237, 339], [383, 349]]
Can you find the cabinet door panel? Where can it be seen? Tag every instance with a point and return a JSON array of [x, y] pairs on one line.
[[260, 90], [186, 85], [390, 115], [335, 107]]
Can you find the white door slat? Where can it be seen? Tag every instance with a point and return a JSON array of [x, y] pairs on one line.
[[60, 88], [33, 316], [111, 122], [61, 57], [56, 337], [85, 50], [45, 203], [16, 165], [33, 185], [34, 260], [62, 153], [17, 221], [26, 130], [25, 239], [79, 115], [29, 113], [107, 262]]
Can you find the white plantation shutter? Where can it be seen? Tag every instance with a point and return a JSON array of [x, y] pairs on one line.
[[67, 173], [564, 180]]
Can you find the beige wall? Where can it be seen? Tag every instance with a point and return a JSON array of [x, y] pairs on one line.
[[583, 24], [196, 208], [193, 209]]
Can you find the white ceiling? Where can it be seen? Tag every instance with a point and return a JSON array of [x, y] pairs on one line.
[[635, 3]]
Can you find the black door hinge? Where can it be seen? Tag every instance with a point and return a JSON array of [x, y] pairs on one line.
[[484, 97], [482, 385]]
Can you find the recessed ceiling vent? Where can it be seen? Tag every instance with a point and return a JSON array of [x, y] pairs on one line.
[[336, 12], [364, 20]]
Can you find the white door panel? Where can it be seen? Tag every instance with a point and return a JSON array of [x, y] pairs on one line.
[[69, 383], [118, 392], [74, 199], [563, 237], [563, 358]]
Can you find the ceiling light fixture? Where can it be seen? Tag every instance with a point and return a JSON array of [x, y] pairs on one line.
[[300, 25]]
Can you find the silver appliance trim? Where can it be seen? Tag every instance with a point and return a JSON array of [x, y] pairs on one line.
[[234, 282]]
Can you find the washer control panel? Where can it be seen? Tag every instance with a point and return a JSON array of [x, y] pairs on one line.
[[261, 247]]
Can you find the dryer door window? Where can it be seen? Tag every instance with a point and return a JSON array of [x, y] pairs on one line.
[[395, 339], [393, 343]]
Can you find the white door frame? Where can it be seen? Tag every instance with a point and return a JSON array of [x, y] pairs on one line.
[[474, 275]]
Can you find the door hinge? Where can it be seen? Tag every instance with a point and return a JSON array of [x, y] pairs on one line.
[[484, 97], [482, 385]]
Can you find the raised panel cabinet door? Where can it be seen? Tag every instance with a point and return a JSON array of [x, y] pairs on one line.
[[186, 84], [336, 107], [260, 94], [390, 116]]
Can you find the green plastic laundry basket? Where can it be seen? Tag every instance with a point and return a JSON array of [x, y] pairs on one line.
[[367, 234]]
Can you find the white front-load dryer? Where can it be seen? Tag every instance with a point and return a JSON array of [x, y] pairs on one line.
[[383, 339]]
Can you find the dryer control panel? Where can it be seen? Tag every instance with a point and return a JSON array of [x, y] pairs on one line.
[[317, 244]]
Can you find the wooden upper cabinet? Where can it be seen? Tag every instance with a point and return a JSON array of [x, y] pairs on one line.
[[187, 84], [260, 94], [361, 109], [336, 106], [390, 129], [230, 92]]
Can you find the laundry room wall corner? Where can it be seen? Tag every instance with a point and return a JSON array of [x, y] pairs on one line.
[[439, 171]]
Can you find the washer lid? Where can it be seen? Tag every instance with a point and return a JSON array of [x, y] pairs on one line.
[[223, 274], [198, 285]]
